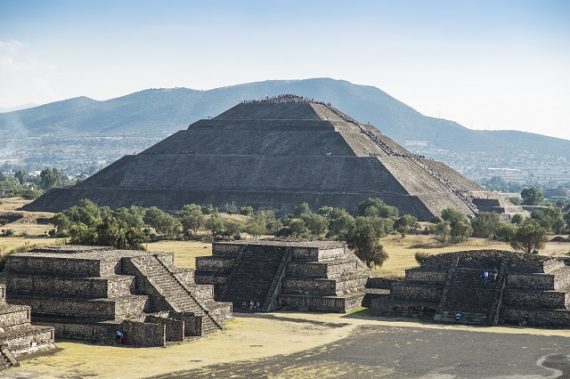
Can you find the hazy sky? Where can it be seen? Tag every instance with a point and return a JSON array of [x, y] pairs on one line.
[[494, 64]]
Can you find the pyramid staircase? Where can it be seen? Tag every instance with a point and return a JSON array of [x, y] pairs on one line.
[[476, 300], [314, 276]]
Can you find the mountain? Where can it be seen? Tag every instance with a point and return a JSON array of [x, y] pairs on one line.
[[156, 113]]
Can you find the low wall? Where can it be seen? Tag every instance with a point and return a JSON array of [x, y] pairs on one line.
[[145, 334], [14, 315], [535, 299], [174, 328]]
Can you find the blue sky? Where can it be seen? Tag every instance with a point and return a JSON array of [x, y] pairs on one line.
[[485, 64]]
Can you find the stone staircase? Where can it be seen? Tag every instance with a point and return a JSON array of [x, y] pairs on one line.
[[477, 301], [7, 360], [181, 298], [252, 277]]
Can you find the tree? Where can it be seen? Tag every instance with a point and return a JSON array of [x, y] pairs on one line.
[[460, 228], [232, 208], [375, 207], [550, 218], [316, 224], [485, 224], [517, 219], [246, 210], [191, 218], [21, 176], [262, 222], [340, 224], [567, 219], [364, 240], [529, 237], [162, 222], [50, 178], [406, 224], [297, 228], [505, 232], [531, 196], [215, 224], [326, 211], [442, 230], [301, 210]]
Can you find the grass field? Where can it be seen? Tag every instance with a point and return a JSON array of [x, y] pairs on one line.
[[185, 252]]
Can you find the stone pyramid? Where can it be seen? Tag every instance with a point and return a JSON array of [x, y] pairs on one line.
[[275, 153]]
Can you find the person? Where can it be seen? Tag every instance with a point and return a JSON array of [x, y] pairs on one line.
[[485, 276], [457, 316], [125, 339], [494, 275], [251, 305], [119, 337], [244, 305], [258, 306]]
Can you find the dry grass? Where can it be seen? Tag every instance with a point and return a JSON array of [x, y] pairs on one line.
[[185, 252], [28, 224]]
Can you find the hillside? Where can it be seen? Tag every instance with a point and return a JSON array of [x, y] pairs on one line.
[[152, 114]]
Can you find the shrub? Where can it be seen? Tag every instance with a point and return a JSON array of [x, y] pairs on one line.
[[421, 256]]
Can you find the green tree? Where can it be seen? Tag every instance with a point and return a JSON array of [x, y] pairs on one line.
[[550, 218], [50, 178], [406, 224], [517, 219], [485, 224], [21, 176], [460, 228], [375, 207], [246, 210], [297, 228], [215, 224], [505, 232], [364, 240], [529, 237], [531, 196], [162, 222], [301, 210], [191, 218], [442, 230], [232, 208], [340, 224], [316, 224]]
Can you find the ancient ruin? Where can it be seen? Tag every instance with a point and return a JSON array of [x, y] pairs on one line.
[[18, 336], [276, 153], [519, 289], [314, 276], [90, 293]]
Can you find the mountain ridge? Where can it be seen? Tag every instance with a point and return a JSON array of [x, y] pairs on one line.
[[158, 112]]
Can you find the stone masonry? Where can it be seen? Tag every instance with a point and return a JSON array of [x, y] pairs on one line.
[[531, 290], [18, 336], [89, 293], [314, 276], [274, 154]]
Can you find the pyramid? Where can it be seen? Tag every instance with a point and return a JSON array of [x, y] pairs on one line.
[[276, 153]]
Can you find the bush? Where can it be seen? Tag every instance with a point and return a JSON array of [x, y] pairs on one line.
[[7, 232], [529, 237], [246, 211], [421, 256], [485, 224]]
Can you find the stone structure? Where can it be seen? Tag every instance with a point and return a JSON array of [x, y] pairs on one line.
[[314, 276], [529, 289], [17, 335], [89, 293], [276, 153]]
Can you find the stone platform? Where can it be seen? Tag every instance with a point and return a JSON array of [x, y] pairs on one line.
[[319, 276], [18, 336], [528, 289], [89, 293]]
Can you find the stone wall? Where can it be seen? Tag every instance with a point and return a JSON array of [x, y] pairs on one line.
[[145, 334]]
